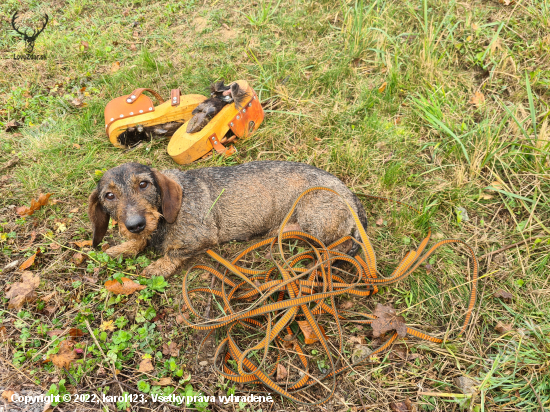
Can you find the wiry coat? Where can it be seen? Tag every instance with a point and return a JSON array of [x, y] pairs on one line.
[[205, 207]]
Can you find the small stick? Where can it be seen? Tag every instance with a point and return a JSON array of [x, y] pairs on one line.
[[537, 395], [502, 249], [446, 395], [103, 353]]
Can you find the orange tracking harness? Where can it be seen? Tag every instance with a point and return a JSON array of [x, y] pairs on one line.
[[270, 300]]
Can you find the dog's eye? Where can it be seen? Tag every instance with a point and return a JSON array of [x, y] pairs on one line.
[[143, 185], [109, 196]]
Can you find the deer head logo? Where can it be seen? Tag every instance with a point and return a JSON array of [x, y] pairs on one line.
[[29, 38]]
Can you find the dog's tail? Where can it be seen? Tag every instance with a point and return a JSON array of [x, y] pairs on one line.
[[363, 219]]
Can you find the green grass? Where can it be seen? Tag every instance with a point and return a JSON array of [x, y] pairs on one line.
[[319, 67]]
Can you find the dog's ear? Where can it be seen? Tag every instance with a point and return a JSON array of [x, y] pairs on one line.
[[170, 194], [98, 217]]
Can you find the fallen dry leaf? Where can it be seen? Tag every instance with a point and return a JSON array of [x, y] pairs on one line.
[[465, 384], [54, 246], [65, 356], [382, 87], [477, 99], [133, 47], [163, 382], [55, 332], [348, 304], [172, 349], [356, 339], [29, 243], [403, 406], [127, 287], [360, 352], [78, 259], [75, 333], [503, 328], [10, 163], [107, 325], [146, 366], [35, 205], [12, 126], [30, 261], [84, 46], [23, 291], [380, 222], [76, 102], [309, 335], [386, 320], [48, 297], [7, 395], [3, 333], [180, 318], [281, 372], [503, 294], [115, 67]]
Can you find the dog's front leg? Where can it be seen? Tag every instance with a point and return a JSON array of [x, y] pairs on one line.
[[130, 248], [165, 266]]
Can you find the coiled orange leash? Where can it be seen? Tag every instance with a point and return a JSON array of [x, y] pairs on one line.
[[265, 302]]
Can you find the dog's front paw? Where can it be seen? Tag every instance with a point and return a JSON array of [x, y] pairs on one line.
[[125, 249], [162, 267]]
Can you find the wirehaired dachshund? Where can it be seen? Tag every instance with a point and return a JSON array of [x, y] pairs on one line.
[[183, 213]]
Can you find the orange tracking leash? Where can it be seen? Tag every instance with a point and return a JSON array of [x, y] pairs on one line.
[[258, 305]]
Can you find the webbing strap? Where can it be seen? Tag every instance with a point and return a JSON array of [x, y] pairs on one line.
[[269, 300]]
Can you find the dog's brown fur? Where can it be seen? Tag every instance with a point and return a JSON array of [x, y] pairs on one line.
[[180, 216]]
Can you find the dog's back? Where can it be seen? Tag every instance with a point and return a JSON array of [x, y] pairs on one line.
[[252, 199]]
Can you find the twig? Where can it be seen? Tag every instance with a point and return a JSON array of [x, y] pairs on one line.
[[103, 353], [502, 249], [537, 395], [446, 395]]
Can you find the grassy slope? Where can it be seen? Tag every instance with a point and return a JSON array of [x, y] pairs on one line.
[[323, 66]]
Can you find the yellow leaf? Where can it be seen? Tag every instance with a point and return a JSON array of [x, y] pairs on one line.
[[383, 87], [107, 325]]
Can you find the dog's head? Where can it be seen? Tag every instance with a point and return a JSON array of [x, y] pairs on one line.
[[136, 196]]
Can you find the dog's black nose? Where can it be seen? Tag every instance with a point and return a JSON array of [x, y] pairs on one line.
[[135, 224]]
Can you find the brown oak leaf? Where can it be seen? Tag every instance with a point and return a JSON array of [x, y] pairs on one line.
[[163, 382], [83, 243], [127, 287], [477, 99], [75, 333], [7, 395], [386, 320], [503, 294], [65, 356], [35, 205], [23, 291], [403, 406], [503, 328], [172, 349], [281, 372], [146, 366]]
